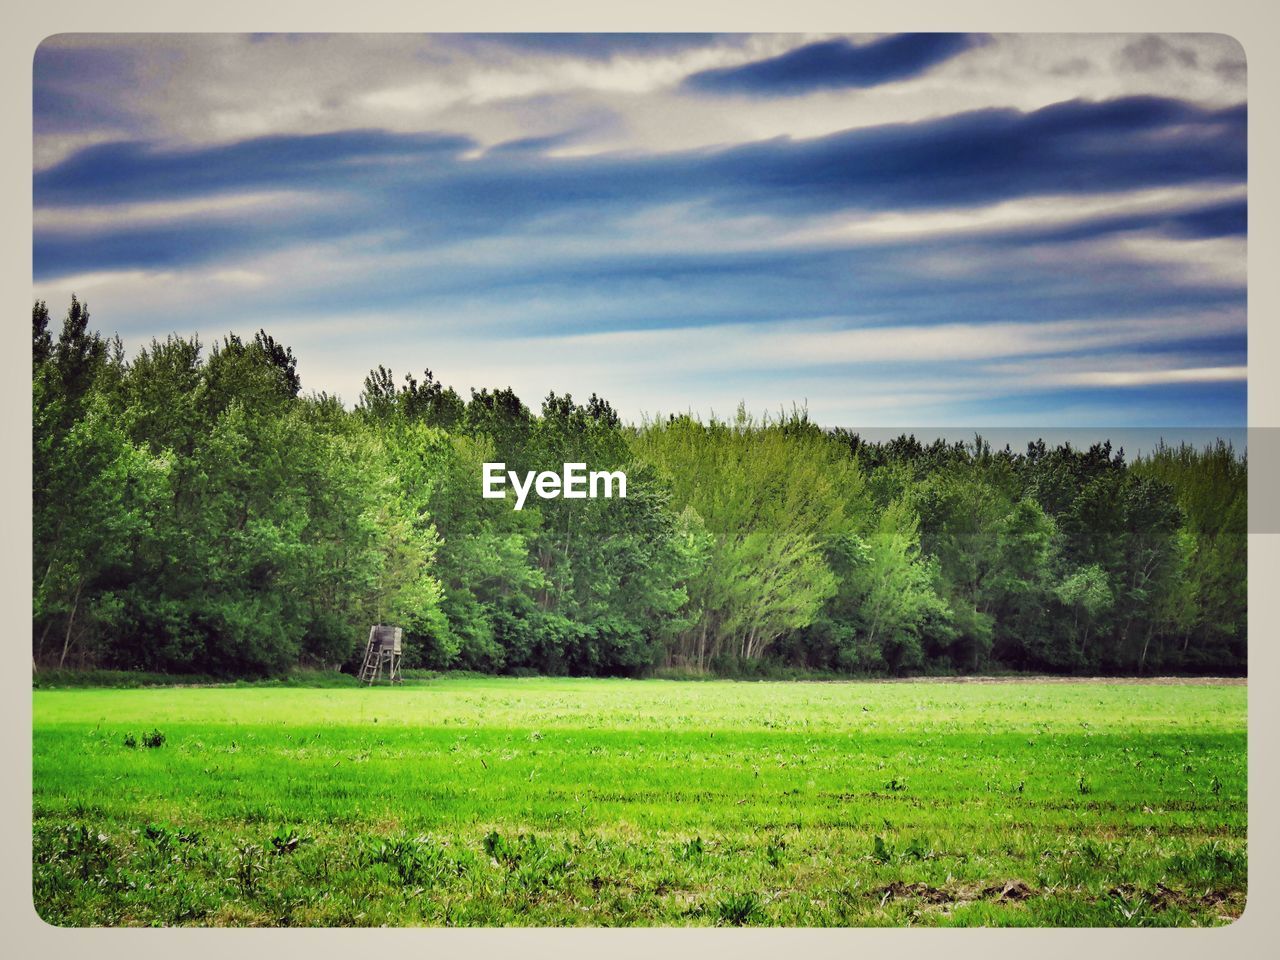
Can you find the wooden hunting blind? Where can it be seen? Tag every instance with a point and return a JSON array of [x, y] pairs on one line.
[[382, 650]]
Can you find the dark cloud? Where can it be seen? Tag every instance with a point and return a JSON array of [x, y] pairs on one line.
[[1220, 220], [991, 155], [531, 144], [69, 85], [836, 64], [132, 171], [1231, 69], [593, 46], [155, 248], [1075, 67], [191, 240], [56, 110], [966, 159], [1154, 52], [417, 193]]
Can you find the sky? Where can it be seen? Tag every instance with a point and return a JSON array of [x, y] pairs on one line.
[[943, 229]]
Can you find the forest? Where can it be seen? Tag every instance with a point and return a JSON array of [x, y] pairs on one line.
[[194, 511]]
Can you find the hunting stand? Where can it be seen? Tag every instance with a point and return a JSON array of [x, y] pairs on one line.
[[383, 649]]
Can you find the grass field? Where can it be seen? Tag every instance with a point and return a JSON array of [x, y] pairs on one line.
[[613, 802]]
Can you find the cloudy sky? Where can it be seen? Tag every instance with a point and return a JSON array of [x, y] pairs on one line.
[[893, 230]]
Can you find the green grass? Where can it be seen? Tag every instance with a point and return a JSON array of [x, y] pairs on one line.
[[612, 802], [121, 679]]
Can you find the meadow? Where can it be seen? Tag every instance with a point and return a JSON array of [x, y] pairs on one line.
[[547, 801]]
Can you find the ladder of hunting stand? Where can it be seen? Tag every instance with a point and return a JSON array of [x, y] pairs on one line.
[[383, 649]]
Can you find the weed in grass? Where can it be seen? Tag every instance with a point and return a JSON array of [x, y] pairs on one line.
[[881, 851], [87, 850], [1212, 865], [248, 866], [738, 909], [286, 840], [918, 849], [499, 849], [1091, 852], [690, 849], [158, 838], [542, 866], [1133, 908], [414, 860], [774, 851], [153, 739]]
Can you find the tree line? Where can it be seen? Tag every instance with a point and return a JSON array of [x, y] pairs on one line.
[[195, 511]]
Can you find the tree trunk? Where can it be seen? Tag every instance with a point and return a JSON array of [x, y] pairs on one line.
[[66, 641], [39, 650], [1142, 661]]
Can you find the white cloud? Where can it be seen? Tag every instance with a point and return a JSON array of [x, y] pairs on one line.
[[1043, 212], [714, 367], [1148, 378], [122, 215], [1217, 260]]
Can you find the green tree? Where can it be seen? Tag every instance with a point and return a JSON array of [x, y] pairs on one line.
[[772, 496], [1087, 595], [895, 596]]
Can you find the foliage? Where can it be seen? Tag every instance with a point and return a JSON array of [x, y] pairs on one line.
[[195, 512]]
